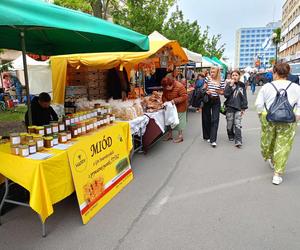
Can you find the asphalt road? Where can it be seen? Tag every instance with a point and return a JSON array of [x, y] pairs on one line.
[[184, 196]]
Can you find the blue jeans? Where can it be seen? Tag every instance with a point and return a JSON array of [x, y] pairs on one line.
[[253, 87], [19, 94]]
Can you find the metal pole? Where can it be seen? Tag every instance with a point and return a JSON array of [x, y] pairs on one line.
[[22, 35], [276, 45]]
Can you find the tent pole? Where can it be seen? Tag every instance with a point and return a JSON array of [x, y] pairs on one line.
[[22, 35]]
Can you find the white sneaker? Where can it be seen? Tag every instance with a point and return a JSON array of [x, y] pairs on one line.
[[270, 163], [277, 180], [207, 140], [214, 144]]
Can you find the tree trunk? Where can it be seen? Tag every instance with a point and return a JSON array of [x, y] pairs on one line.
[[97, 7]]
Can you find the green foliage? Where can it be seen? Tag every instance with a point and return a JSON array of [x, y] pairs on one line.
[[99, 8], [277, 39], [189, 35], [144, 16]]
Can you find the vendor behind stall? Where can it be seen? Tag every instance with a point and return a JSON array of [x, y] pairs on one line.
[[175, 92], [42, 112]]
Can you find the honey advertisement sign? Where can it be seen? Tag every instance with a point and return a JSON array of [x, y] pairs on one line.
[[100, 167]]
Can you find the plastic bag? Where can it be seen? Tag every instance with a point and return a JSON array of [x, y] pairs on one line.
[[171, 115]]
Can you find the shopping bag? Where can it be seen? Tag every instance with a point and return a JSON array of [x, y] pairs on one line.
[[171, 115]]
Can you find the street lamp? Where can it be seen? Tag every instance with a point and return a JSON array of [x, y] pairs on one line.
[[274, 36]]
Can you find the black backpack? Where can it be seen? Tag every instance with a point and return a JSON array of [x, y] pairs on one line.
[[281, 111]]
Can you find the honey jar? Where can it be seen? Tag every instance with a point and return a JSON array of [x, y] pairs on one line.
[[32, 147], [23, 150], [48, 142], [29, 137], [62, 137], [15, 139], [54, 127], [67, 121], [23, 138], [83, 128], [55, 139], [40, 130], [73, 130], [69, 135], [48, 129], [31, 129], [15, 149], [39, 142], [62, 126]]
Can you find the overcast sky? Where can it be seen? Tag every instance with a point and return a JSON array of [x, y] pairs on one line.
[[225, 17]]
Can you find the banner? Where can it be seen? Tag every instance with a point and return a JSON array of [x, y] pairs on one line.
[[101, 167]]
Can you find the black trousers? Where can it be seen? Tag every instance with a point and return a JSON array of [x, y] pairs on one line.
[[210, 119]]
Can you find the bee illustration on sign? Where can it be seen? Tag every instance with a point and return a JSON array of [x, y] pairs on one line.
[[80, 161]]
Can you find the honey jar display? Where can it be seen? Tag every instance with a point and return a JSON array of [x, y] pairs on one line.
[[15, 139]]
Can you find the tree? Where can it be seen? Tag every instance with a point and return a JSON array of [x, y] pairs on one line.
[[189, 35], [144, 16], [99, 8]]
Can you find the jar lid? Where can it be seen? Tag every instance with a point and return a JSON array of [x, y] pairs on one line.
[[39, 127], [14, 135], [48, 138], [24, 146], [31, 127], [23, 134], [37, 136], [47, 126]]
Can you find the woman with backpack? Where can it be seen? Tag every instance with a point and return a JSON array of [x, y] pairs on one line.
[[278, 105], [236, 103]]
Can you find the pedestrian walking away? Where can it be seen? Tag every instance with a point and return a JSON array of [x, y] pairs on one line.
[[252, 83], [277, 137], [175, 92], [236, 103], [212, 90]]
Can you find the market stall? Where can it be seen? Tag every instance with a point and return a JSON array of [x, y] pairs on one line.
[[85, 80], [92, 158]]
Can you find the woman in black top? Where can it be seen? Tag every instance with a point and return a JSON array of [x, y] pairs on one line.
[[236, 103]]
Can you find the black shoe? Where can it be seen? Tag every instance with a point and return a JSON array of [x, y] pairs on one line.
[[238, 144], [231, 139]]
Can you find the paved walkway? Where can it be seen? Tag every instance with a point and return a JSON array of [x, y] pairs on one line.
[[184, 196]]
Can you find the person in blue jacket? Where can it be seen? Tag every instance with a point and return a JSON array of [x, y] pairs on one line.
[[19, 88]]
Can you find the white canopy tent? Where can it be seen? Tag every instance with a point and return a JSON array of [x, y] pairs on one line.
[[39, 73], [204, 64], [193, 56]]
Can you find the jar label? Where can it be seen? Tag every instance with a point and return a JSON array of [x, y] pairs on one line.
[[51, 143], [69, 136], [72, 120], [64, 138], [32, 149], [98, 123], [16, 140], [61, 127], [40, 144], [55, 129], [84, 117], [55, 141], [79, 130], [41, 132], [83, 129], [49, 131], [68, 122], [75, 132]]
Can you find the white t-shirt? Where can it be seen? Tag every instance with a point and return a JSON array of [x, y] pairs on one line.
[[267, 95]]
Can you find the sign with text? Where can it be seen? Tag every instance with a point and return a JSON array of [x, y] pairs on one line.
[[100, 167]]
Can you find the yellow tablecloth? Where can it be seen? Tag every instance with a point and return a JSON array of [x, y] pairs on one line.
[[48, 181]]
